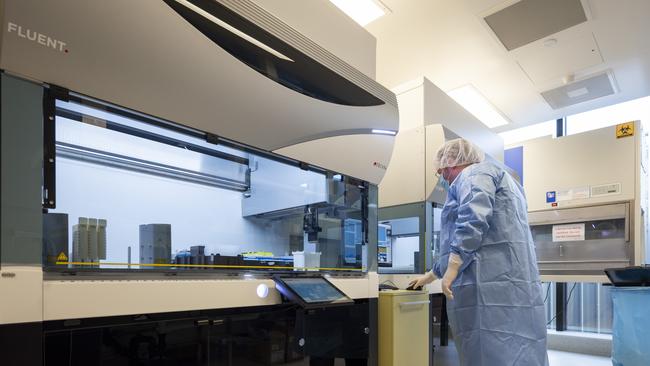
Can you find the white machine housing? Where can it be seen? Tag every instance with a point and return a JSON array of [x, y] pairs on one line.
[[428, 118], [171, 70], [168, 69], [587, 177]]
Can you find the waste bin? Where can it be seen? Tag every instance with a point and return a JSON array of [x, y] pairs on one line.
[[631, 328], [404, 328]]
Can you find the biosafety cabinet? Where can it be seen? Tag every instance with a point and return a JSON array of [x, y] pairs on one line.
[[161, 178], [587, 200]]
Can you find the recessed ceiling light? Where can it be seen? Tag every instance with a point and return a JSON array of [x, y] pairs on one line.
[[476, 104], [577, 92], [362, 11], [551, 42]]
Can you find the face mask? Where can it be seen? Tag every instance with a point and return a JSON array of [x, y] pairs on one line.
[[443, 183]]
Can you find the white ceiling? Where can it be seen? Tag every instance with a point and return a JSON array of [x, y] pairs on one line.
[[448, 42]]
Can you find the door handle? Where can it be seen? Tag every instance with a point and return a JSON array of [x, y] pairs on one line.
[[627, 222], [414, 303], [202, 322]]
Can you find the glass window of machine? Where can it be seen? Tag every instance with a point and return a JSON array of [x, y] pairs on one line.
[[134, 193]]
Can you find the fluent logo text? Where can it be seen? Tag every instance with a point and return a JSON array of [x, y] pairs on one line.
[[34, 36]]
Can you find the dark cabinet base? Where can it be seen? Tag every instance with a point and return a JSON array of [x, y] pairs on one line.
[[277, 335], [20, 344]]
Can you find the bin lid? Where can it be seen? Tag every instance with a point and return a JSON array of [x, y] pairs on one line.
[[629, 276], [402, 292]]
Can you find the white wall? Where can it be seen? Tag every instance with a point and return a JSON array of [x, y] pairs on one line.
[[637, 109], [518, 135]]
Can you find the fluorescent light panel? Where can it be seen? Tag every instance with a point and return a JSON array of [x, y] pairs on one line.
[[232, 29], [384, 132], [470, 99], [362, 11], [577, 93]]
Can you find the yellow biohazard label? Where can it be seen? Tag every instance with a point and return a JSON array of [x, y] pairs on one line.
[[625, 130], [62, 257]]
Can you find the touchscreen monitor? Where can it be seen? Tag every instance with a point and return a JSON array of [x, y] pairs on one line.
[[312, 291]]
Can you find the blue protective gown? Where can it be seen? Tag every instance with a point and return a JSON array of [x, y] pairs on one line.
[[497, 315]]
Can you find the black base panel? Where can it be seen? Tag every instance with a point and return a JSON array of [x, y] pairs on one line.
[[270, 335], [21, 344]]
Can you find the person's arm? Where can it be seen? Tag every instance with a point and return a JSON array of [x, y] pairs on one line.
[[476, 200], [423, 280], [436, 269], [453, 267], [428, 277], [476, 195]]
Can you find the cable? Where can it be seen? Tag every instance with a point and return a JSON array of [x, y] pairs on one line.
[[389, 282], [548, 291], [565, 305]]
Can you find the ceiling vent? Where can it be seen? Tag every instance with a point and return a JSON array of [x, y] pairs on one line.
[[593, 87], [530, 20]]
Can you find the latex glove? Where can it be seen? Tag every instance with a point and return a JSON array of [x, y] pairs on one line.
[[423, 280], [450, 275]]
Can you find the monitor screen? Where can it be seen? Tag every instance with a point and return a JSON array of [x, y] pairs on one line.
[[315, 290]]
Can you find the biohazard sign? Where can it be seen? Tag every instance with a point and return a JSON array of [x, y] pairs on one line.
[[625, 130], [62, 257]]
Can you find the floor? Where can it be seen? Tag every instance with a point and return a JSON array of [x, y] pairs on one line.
[[446, 356], [559, 358]]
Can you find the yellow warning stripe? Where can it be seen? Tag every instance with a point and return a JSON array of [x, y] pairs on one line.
[[202, 266]]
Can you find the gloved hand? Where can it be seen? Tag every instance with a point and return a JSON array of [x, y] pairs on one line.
[[450, 275], [423, 280]]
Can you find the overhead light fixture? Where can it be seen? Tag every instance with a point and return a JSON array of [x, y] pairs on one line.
[[476, 104], [551, 42], [384, 132], [362, 11], [233, 30], [577, 92]]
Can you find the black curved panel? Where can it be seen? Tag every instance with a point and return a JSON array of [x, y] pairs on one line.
[[302, 74]]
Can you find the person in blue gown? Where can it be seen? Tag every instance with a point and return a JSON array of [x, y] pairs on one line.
[[487, 263]]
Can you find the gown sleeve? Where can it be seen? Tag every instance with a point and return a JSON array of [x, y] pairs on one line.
[[476, 194]]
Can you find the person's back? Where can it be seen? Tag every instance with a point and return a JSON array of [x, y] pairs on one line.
[[498, 308], [509, 220]]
